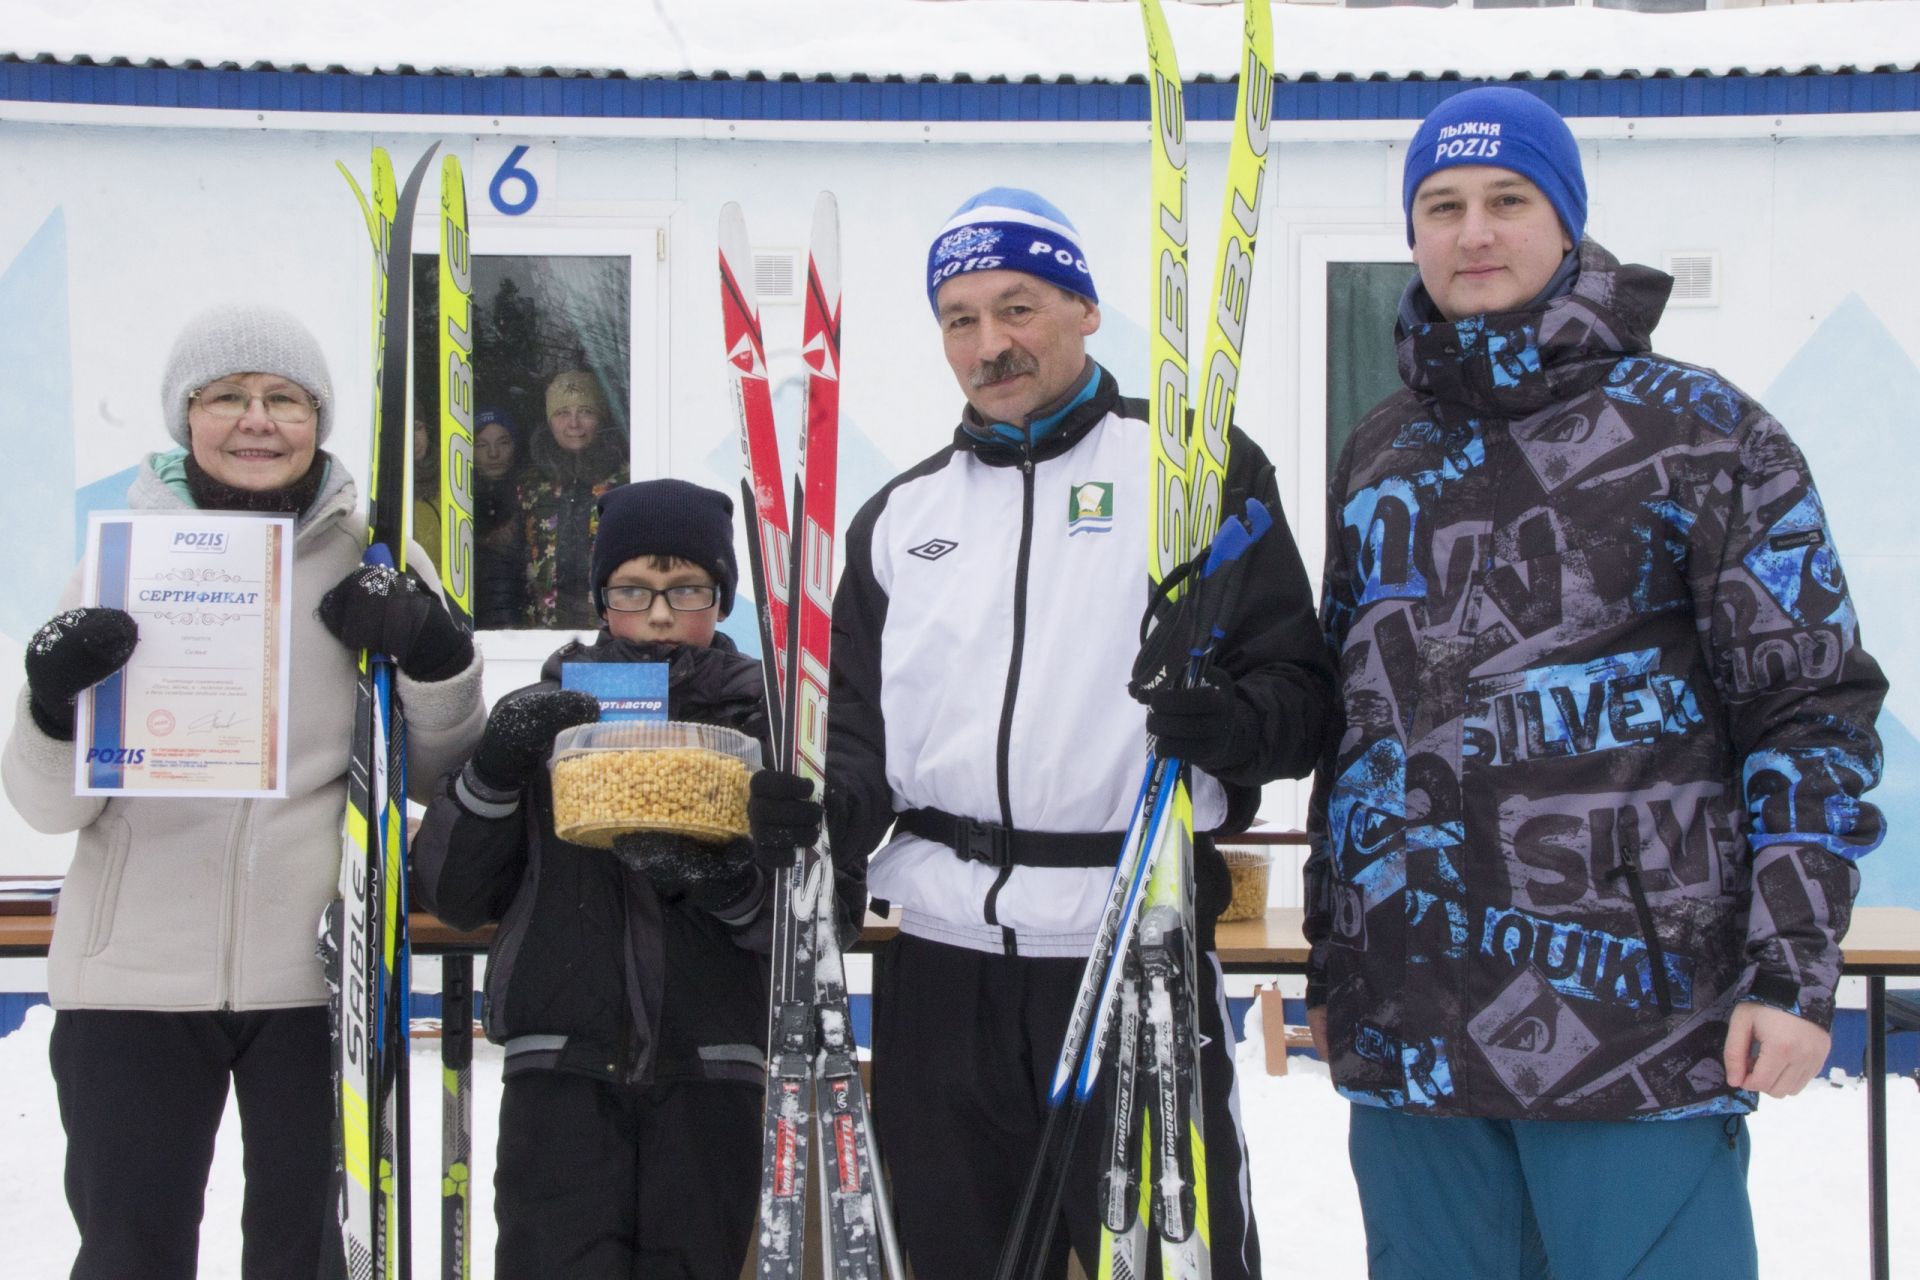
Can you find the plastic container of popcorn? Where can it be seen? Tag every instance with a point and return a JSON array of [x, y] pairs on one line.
[[1249, 868], [621, 776]]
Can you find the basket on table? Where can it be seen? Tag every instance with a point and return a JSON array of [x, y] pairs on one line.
[[1249, 868], [621, 776]]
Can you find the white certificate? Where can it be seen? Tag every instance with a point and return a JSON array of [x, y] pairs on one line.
[[200, 710]]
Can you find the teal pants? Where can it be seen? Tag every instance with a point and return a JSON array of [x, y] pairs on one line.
[[1449, 1198]]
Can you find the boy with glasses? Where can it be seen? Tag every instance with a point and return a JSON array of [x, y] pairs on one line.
[[628, 988]]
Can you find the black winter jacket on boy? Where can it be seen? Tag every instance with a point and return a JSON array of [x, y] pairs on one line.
[[1607, 722], [591, 970]]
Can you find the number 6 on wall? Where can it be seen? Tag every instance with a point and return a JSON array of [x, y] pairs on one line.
[[516, 182]]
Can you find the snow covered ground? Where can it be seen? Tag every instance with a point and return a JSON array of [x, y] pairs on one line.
[[1809, 1172]]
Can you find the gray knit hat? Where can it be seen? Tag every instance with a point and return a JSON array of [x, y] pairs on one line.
[[243, 338]]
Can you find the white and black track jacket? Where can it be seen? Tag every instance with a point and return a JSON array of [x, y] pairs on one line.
[[984, 629]]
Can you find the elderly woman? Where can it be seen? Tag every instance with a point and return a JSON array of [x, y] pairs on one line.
[[576, 459], [183, 952]]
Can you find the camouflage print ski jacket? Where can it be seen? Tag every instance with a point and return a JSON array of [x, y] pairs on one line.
[[1607, 723]]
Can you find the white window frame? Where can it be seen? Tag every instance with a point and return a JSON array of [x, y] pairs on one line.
[[1283, 805], [1317, 253], [635, 231]]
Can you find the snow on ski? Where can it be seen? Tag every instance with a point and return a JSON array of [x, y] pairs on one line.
[[365, 946]]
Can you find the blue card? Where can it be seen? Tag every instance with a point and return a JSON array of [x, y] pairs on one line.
[[626, 690]]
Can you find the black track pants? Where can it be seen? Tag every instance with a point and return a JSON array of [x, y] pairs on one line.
[[141, 1095], [964, 1048], [604, 1182]]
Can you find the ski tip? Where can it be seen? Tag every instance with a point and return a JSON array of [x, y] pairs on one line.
[[734, 243], [420, 166]]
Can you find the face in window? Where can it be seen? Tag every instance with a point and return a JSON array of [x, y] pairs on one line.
[[493, 451], [422, 440], [574, 409], [684, 607], [574, 428], [1485, 239], [253, 431], [1014, 342]]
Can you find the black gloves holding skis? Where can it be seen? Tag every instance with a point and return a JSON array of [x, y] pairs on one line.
[[75, 651], [720, 879], [1206, 726], [520, 732], [379, 608], [783, 817]]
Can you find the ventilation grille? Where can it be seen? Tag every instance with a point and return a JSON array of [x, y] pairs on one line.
[[1696, 278], [776, 275]]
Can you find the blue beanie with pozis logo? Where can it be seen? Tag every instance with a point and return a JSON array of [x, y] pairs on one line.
[[1009, 229], [1507, 129]]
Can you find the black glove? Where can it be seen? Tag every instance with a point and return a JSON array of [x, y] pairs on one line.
[[1205, 726], [782, 816], [379, 608], [75, 651], [520, 732], [713, 877]]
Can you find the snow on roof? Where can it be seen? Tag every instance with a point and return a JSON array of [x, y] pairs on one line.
[[957, 39]]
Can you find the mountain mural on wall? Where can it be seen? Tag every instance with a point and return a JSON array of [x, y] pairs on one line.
[[36, 403], [1848, 396]]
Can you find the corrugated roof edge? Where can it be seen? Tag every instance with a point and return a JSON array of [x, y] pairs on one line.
[[790, 77], [926, 99]]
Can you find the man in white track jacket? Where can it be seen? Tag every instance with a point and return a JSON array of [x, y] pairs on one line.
[[984, 630]]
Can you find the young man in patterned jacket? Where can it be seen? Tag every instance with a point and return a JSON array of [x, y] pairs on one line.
[[1585, 840]]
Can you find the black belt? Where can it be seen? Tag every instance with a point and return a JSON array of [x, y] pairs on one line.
[[999, 846]]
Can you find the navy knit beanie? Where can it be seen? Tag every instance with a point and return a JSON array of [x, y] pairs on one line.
[[666, 518], [1507, 129], [1008, 229]]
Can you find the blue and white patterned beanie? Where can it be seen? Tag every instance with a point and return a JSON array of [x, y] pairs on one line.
[[1008, 229]]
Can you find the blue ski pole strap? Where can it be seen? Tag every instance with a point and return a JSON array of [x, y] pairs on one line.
[[1178, 635]]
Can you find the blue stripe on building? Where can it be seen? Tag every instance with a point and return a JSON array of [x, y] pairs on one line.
[[916, 101]]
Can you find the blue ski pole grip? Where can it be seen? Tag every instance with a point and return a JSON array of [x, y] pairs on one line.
[[378, 554], [1222, 594], [1236, 535], [1258, 518], [1228, 545]]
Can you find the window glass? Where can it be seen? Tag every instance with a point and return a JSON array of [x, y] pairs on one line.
[[1363, 298], [552, 402]]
